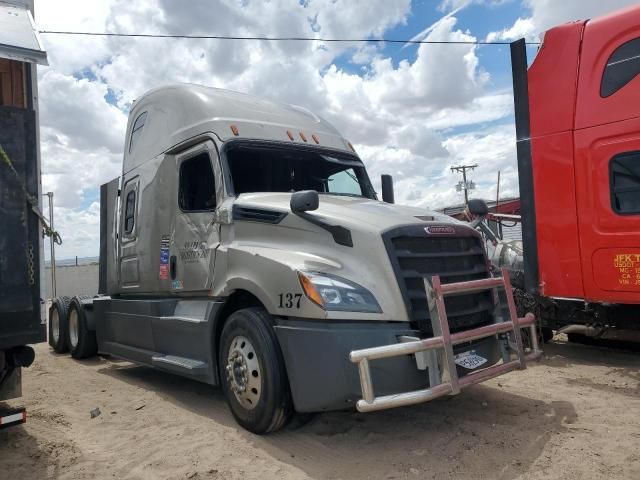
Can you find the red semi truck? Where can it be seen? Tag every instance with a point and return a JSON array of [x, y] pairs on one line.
[[578, 147]]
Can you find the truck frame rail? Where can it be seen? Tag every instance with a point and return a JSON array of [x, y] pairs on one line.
[[445, 380]]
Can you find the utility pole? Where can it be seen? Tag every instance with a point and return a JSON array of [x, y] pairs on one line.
[[53, 250], [464, 185]]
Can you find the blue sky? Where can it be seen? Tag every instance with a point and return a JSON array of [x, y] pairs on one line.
[[412, 111]]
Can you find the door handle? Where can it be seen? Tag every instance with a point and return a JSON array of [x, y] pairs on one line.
[[172, 267]]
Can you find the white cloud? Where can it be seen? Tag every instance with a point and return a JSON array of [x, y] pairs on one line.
[[449, 5], [443, 87], [425, 180], [77, 108], [523, 28], [79, 229], [546, 14]]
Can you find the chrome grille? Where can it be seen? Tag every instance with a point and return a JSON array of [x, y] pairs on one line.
[[415, 254]]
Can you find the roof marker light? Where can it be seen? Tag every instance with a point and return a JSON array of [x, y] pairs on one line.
[[290, 135], [315, 139], [304, 139], [234, 130]]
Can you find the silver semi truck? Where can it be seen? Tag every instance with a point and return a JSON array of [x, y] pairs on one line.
[[244, 246]]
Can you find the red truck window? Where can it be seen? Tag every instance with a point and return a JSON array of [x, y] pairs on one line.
[[622, 67], [625, 183]]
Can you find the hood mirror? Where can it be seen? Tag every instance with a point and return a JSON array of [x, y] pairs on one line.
[[304, 201], [478, 207]]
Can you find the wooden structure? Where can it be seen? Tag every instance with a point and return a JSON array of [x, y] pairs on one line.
[[12, 83]]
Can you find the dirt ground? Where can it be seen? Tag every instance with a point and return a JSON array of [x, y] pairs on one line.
[[575, 415]]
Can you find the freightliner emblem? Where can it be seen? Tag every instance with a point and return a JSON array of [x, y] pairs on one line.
[[440, 230]]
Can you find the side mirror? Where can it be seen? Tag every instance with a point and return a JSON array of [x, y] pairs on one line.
[[304, 201], [478, 207], [387, 189]]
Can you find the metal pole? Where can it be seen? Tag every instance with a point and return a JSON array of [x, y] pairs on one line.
[[466, 191], [498, 193], [53, 247], [498, 224]]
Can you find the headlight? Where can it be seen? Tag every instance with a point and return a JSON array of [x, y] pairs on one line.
[[337, 294]]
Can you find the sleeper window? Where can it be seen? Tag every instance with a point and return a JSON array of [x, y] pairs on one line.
[[130, 212], [625, 183], [136, 131], [622, 67], [197, 187]]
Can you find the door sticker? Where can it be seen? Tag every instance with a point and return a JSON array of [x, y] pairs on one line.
[[617, 269], [628, 266], [164, 257], [193, 252]]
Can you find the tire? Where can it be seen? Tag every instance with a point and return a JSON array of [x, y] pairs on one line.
[[81, 341], [248, 340], [58, 323]]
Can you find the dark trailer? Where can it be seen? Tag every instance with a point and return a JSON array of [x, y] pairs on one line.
[[21, 305]]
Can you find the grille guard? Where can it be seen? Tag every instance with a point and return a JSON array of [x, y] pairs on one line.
[[446, 378]]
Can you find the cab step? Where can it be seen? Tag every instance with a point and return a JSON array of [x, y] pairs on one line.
[[185, 366]]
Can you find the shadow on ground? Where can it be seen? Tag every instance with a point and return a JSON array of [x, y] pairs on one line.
[[27, 457], [485, 432], [561, 353]]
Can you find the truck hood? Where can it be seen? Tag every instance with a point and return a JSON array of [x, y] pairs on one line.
[[350, 212]]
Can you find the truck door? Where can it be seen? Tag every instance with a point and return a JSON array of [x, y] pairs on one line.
[[607, 160], [195, 235], [129, 260]]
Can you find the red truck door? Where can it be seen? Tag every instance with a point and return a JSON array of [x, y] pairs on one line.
[[607, 158]]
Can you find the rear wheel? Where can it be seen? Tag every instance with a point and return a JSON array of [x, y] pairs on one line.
[[81, 341], [58, 324], [252, 373]]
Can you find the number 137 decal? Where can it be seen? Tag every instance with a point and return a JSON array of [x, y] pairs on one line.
[[289, 300]]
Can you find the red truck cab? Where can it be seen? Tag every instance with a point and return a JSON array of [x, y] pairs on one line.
[[578, 127]]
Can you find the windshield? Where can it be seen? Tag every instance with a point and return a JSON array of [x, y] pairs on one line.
[[289, 169]]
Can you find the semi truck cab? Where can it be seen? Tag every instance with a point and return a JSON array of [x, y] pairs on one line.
[[244, 246], [579, 166]]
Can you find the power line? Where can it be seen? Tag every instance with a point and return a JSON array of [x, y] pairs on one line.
[[278, 39]]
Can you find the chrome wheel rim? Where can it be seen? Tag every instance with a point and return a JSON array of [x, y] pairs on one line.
[[55, 325], [73, 327], [243, 372]]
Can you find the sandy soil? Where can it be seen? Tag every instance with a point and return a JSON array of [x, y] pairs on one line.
[[576, 415]]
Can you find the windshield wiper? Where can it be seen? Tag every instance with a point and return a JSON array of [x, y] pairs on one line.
[[341, 194]]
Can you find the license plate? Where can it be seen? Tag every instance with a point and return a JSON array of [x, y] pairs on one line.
[[470, 360]]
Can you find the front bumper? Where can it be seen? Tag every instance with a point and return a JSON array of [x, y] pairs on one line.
[[321, 357], [321, 377], [444, 377]]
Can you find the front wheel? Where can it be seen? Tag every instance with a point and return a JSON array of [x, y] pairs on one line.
[[252, 373]]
